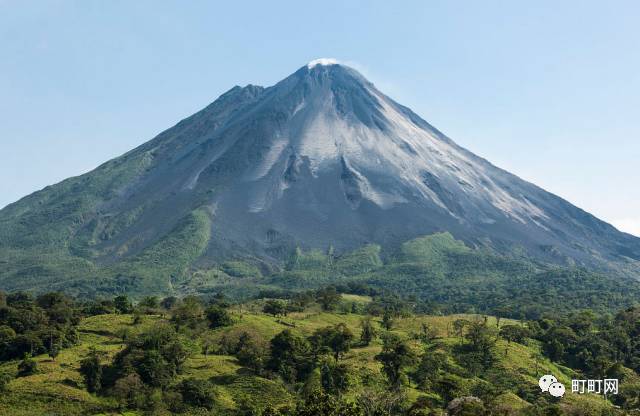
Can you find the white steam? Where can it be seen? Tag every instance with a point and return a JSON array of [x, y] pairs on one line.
[[322, 61]]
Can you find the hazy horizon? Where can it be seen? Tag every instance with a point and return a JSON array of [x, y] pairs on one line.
[[545, 91]]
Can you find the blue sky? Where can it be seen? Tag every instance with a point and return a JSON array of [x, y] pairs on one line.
[[547, 90]]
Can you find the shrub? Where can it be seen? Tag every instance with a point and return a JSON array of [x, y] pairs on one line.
[[466, 406], [368, 331], [130, 391], [123, 304], [197, 393], [252, 352], [290, 356], [188, 313], [218, 317], [91, 370], [27, 367], [4, 381], [275, 307]]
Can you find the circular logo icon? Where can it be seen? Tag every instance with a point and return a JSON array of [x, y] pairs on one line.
[[556, 389], [546, 381]]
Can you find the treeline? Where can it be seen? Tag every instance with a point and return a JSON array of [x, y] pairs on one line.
[[32, 326], [598, 347], [448, 278]]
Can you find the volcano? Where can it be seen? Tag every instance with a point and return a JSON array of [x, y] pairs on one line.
[[321, 159]]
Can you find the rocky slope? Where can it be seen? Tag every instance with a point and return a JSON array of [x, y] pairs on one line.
[[320, 159]]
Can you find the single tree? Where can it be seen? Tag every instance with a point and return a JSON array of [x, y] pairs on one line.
[[328, 298], [150, 304], [275, 307], [428, 369], [428, 335], [335, 338], [502, 312], [218, 317], [387, 319], [459, 325], [123, 304], [91, 370], [396, 355], [130, 391], [54, 351], [290, 356], [252, 352], [514, 333], [189, 313], [369, 332], [169, 302], [197, 393]]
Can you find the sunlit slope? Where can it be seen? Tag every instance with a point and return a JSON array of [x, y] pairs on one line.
[[58, 388]]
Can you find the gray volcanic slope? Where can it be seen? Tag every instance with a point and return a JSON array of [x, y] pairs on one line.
[[320, 159]]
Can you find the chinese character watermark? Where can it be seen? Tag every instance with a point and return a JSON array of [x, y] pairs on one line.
[[606, 386]]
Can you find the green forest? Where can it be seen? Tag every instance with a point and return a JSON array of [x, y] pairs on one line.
[[326, 351]]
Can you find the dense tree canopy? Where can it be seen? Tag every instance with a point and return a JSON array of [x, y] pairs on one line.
[[459, 367]]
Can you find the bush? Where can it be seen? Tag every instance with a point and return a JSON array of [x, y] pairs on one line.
[[218, 317], [154, 369], [275, 307], [466, 406], [27, 367], [197, 393], [188, 313], [123, 304], [169, 302], [252, 352], [4, 381], [368, 331], [91, 370], [173, 401], [514, 333], [130, 391], [336, 339], [328, 298], [54, 351], [6, 333], [290, 356]]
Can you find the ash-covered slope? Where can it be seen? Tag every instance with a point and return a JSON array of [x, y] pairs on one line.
[[320, 159]]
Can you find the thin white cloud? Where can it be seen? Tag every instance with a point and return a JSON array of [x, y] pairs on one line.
[[628, 225], [322, 61]]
